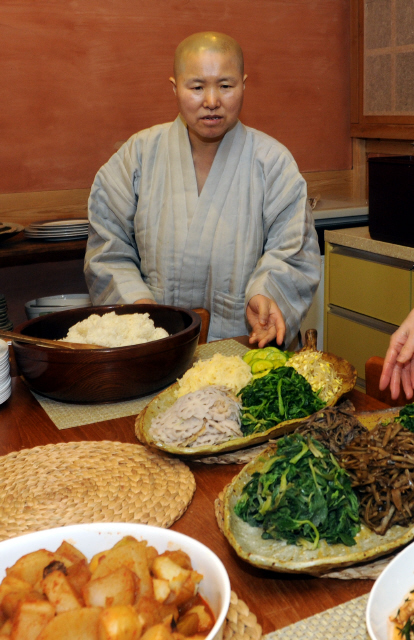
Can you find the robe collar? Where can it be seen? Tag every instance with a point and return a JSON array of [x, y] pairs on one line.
[[196, 217]]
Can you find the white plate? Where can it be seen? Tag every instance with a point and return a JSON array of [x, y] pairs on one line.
[[5, 384], [388, 593], [60, 234], [57, 231], [53, 229], [47, 224], [92, 538], [59, 239], [4, 371], [5, 396]]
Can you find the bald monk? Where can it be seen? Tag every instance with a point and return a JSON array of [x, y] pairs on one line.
[[206, 212]]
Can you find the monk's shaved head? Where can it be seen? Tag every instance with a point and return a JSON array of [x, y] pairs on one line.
[[207, 41]]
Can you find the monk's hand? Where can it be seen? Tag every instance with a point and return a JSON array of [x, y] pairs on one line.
[[266, 320], [145, 301], [399, 360]]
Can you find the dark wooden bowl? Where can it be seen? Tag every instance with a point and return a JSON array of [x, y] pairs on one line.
[[107, 374]]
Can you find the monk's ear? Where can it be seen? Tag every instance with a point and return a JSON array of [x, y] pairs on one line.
[[244, 80], [174, 84]]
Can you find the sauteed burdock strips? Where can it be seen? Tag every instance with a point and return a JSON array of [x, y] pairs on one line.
[[380, 462], [334, 427], [381, 465]]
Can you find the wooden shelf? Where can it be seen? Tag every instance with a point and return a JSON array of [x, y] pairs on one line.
[[19, 250]]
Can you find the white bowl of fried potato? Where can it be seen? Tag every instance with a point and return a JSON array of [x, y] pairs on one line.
[[389, 595], [111, 581]]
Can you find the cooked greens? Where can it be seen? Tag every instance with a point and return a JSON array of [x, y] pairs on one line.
[[406, 417], [283, 394], [301, 495]]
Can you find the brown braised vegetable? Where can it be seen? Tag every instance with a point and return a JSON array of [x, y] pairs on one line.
[[381, 465], [334, 427]]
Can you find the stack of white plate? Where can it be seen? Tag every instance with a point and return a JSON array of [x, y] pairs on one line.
[[51, 304], [58, 230], [5, 379], [5, 322]]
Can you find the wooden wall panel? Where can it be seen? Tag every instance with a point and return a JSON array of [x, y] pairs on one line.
[[80, 76]]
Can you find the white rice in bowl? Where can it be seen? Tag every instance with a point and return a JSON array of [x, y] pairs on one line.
[[111, 330]]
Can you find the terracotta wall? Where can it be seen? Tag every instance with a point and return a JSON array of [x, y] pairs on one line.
[[78, 76]]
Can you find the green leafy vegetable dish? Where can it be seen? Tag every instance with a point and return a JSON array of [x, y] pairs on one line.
[[406, 416], [291, 510], [301, 495], [283, 394]]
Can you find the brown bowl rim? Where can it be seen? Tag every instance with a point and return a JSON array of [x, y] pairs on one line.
[[145, 308]]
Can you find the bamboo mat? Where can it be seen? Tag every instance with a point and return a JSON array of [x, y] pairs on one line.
[[77, 482], [346, 621], [66, 415]]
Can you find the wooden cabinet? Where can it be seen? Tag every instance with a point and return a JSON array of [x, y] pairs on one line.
[[382, 69], [367, 296]]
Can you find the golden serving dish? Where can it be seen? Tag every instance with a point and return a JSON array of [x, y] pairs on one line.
[[281, 557], [166, 398]]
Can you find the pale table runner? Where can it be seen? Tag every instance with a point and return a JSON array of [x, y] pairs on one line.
[[344, 622], [66, 415]]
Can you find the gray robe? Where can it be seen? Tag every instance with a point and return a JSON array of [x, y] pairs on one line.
[[250, 231]]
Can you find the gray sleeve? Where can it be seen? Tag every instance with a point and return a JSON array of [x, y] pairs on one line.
[[289, 270], [112, 264]]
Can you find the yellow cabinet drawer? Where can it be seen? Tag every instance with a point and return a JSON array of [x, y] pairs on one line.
[[354, 341], [373, 289]]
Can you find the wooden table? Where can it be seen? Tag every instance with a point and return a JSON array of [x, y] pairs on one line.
[[277, 600]]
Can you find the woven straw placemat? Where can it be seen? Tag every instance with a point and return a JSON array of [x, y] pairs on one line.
[[241, 624], [80, 482], [66, 415], [369, 570], [346, 621]]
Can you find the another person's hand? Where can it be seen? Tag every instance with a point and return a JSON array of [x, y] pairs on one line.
[[266, 320], [145, 301], [399, 360]]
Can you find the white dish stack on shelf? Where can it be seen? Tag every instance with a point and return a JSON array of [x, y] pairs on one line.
[[51, 304], [5, 322], [5, 378], [57, 230]]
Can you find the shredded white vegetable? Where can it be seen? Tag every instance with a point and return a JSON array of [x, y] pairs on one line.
[[318, 372], [221, 371], [204, 417]]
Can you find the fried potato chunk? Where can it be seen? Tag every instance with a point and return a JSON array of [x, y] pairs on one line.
[[116, 588], [158, 632], [30, 619], [130, 554], [67, 550], [12, 600], [119, 623], [30, 566], [60, 592], [152, 612], [129, 592], [10, 583], [79, 624], [78, 575], [181, 582]]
